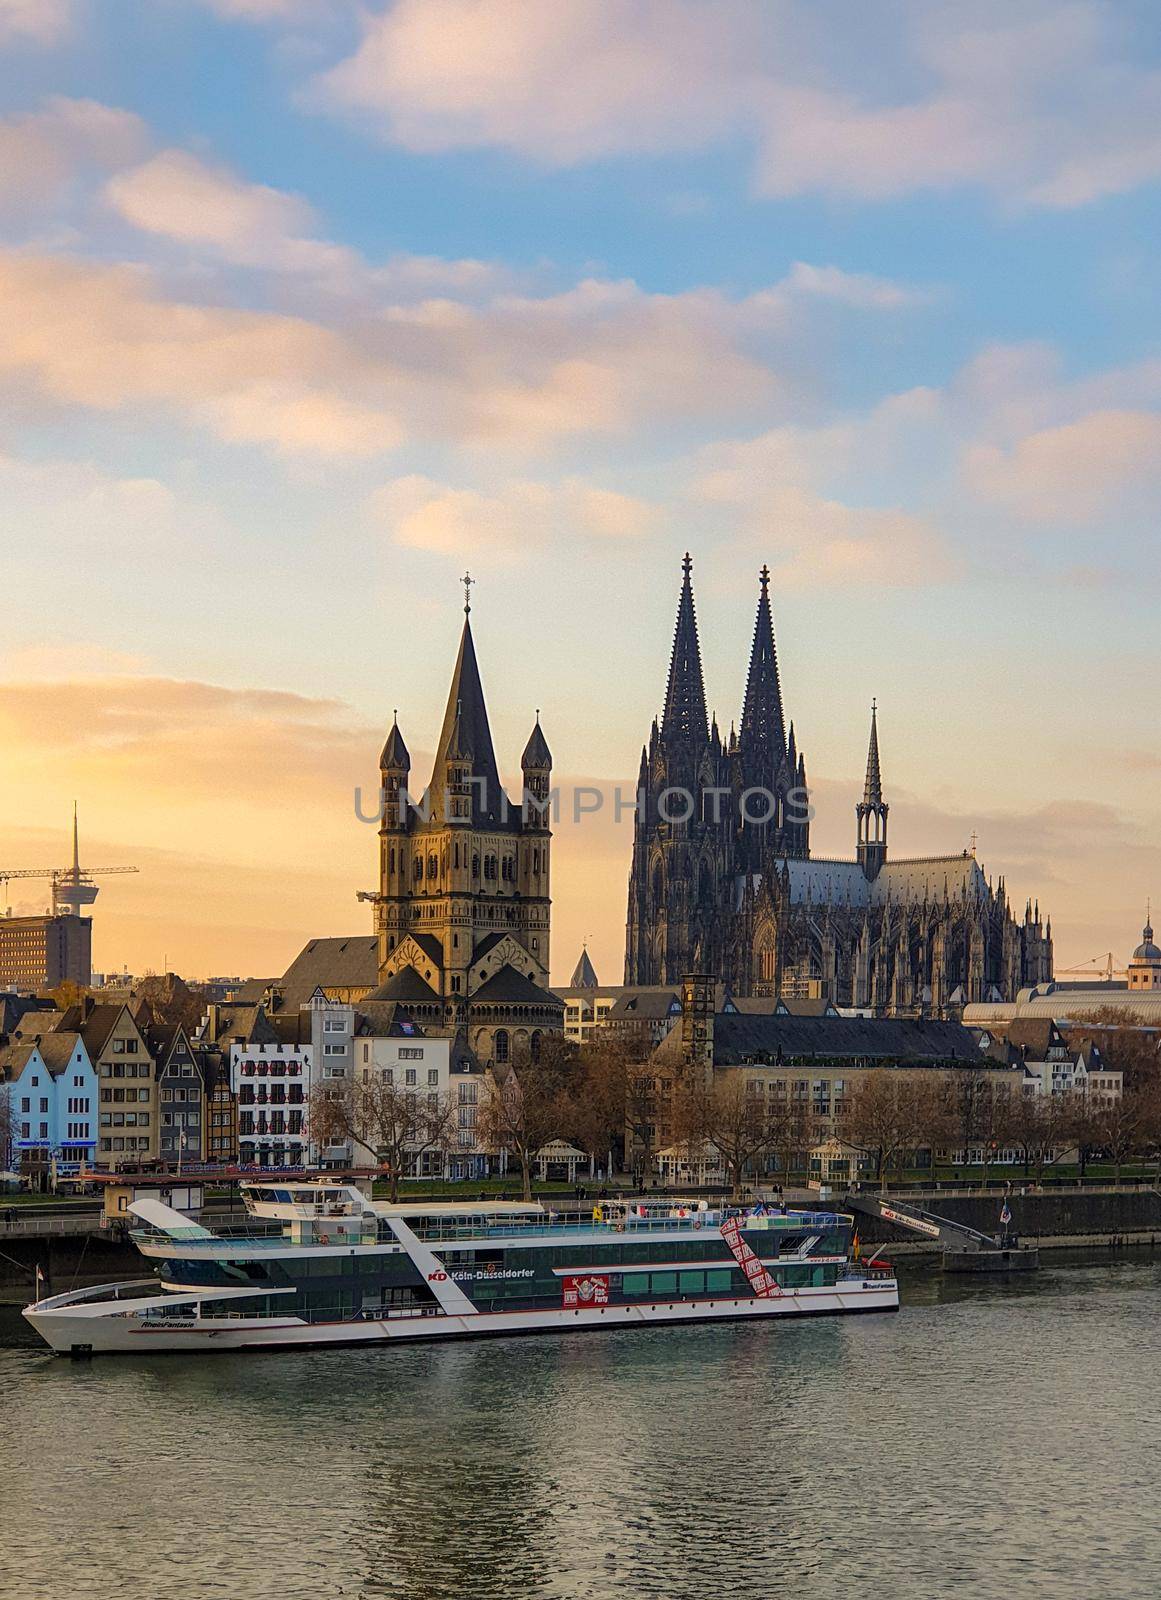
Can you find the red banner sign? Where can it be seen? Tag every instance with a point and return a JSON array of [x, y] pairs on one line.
[[577, 1293], [757, 1277]]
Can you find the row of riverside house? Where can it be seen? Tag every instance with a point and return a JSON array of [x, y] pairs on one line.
[[94, 1087]]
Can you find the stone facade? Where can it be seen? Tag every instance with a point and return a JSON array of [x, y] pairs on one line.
[[723, 882], [462, 914]]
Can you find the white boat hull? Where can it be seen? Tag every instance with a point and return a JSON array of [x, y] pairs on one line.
[[89, 1330]]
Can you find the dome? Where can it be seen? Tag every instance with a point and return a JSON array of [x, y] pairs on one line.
[[1147, 950]]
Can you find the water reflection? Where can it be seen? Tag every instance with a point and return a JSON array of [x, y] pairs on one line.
[[996, 1438]]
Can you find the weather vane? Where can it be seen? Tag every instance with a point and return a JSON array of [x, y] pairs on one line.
[[467, 580]]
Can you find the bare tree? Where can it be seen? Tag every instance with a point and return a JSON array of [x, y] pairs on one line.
[[1036, 1129], [1126, 1043], [393, 1125], [739, 1123], [598, 1092], [1128, 1125], [893, 1112], [529, 1103], [648, 1095]]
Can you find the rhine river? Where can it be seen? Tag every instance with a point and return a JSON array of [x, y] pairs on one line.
[[990, 1440]]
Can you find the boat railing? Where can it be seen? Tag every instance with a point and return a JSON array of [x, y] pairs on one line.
[[617, 1220]]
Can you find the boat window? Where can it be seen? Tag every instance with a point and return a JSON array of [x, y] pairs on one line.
[[664, 1283], [691, 1282], [718, 1282], [636, 1283]]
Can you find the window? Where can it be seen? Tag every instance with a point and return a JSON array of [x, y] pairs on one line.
[[410, 1053], [718, 1282], [663, 1283], [635, 1283], [334, 1025], [410, 1076], [334, 1049], [433, 1077], [501, 1044]]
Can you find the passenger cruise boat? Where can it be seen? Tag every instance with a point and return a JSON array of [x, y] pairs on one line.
[[323, 1264]]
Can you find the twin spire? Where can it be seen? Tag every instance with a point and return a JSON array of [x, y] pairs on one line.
[[763, 726], [684, 718], [873, 786]]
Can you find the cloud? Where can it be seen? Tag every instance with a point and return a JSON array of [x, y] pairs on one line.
[[176, 195], [42, 151], [1049, 104], [774, 489], [211, 210], [102, 338], [41, 22], [861, 290], [1103, 463], [516, 369], [513, 522]]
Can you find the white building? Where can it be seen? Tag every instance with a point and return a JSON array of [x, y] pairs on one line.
[[437, 1068]]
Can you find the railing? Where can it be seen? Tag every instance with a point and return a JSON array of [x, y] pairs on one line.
[[441, 1230], [37, 1227]]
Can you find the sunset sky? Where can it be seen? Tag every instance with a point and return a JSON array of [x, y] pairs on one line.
[[307, 305]]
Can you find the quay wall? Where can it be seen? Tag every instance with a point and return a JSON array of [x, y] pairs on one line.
[[1059, 1216]]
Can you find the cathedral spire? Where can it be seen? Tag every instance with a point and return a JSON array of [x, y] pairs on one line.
[[873, 786], [684, 719], [763, 732], [871, 811]]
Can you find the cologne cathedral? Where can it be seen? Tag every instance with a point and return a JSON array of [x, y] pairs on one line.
[[723, 881]]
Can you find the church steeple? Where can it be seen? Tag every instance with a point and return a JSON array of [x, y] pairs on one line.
[[684, 719], [763, 732], [467, 736], [871, 811]]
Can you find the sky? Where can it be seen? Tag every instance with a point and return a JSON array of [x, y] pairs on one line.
[[306, 306]]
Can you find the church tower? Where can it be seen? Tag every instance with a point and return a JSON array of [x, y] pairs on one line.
[[871, 811], [774, 820], [463, 910]]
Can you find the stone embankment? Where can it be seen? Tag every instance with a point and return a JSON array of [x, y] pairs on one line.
[[1053, 1218]]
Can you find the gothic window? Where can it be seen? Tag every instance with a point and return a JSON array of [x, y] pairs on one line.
[[536, 861], [500, 1045], [475, 866], [417, 868], [490, 867], [392, 866], [432, 867], [534, 1045], [456, 853], [658, 883]]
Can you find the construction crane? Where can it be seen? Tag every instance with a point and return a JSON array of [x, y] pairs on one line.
[[72, 887], [1101, 967]]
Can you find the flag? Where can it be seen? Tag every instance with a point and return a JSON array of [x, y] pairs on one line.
[[1005, 1215], [856, 1248], [39, 1280]]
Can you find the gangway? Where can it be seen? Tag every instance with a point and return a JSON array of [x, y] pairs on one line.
[[964, 1249]]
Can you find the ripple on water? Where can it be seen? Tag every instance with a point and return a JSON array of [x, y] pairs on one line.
[[991, 1440]]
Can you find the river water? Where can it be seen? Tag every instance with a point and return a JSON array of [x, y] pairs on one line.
[[990, 1440]]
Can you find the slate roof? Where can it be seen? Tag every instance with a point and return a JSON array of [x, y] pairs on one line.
[[466, 733], [900, 881], [645, 1005], [405, 985], [738, 1039], [584, 973], [350, 962], [512, 988], [58, 1049]]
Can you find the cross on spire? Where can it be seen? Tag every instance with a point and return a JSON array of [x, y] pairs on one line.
[[467, 580]]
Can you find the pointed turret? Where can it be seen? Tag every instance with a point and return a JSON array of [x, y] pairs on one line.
[[395, 757], [763, 732], [871, 811], [537, 756], [684, 719], [584, 973]]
